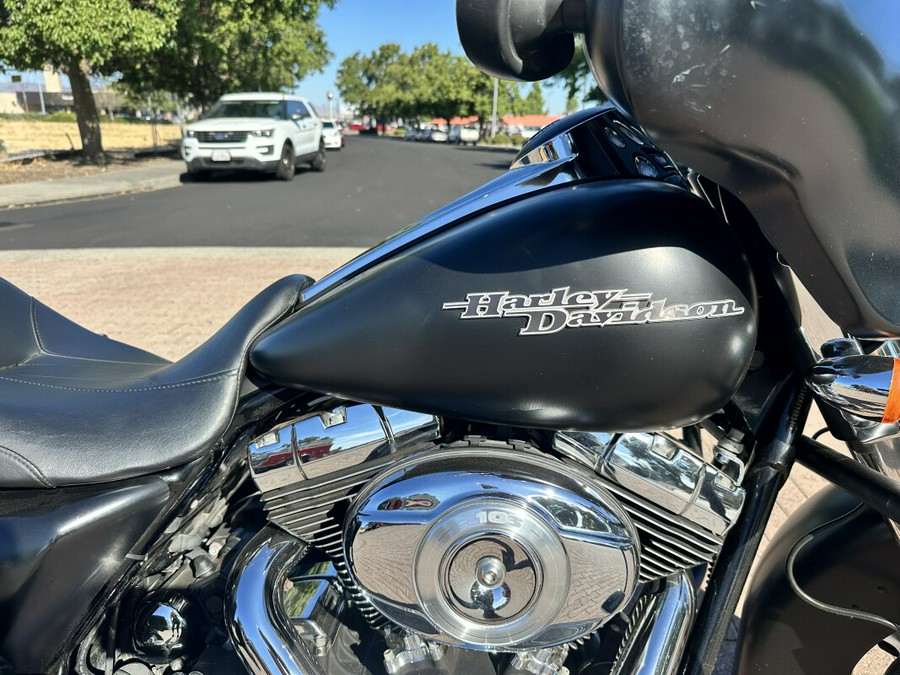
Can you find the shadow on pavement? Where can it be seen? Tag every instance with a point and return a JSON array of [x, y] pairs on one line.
[[234, 176]]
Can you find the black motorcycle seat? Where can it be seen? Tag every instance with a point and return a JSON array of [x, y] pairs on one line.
[[77, 407]]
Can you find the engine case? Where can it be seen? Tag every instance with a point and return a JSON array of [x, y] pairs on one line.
[[491, 548], [331, 474]]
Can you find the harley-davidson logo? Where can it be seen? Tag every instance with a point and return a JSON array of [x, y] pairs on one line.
[[561, 308]]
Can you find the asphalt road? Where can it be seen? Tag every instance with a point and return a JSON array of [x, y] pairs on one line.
[[370, 189]]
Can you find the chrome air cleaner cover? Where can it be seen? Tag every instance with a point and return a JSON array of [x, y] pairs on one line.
[[491, 548]]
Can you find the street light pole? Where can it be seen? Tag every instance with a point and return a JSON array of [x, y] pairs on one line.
[[494, 109]]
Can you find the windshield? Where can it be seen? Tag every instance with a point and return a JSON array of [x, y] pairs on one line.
[[328, 125], [263, 109]]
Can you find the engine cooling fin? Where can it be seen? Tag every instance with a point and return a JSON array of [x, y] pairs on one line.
[[311, 470], [314, 511]]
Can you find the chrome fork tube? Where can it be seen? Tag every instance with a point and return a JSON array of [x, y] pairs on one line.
[[657, 641], [259, 626]]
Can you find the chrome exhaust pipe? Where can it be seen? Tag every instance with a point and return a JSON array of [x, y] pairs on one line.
[[656, 643], [260, 629]]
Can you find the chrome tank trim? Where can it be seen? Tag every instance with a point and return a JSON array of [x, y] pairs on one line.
[[552, 163], [259, 627], [659, 635]]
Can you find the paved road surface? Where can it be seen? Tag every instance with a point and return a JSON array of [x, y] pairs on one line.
[[372, 188]]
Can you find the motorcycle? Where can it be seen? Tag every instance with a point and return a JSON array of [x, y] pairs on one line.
[[540, 431]]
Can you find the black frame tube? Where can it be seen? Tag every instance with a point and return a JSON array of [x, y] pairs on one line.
[[874, 489], [766, 476]]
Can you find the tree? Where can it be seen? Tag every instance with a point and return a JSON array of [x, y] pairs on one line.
[[533, 104], [427, 82], [388, 82], [509, 99], [576, 78], [383, 84], [221, 46], [83, 38], [446, 93]]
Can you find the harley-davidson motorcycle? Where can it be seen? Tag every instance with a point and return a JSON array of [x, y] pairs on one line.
[[540, 431]]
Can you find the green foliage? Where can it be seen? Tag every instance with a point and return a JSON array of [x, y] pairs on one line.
[[222, 46], [60, 116], [425, 83], [162, 101], [84, 37], [533, 104], [505, 139], [37, 32], [385, 83], [579, 81]]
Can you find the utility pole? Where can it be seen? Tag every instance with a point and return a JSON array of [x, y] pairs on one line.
[[180, 112], [494, 109], [41, 96]]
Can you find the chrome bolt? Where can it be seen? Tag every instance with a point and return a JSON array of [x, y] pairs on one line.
[[490, 572]]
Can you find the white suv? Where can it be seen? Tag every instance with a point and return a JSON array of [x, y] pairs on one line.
[[267, 132]]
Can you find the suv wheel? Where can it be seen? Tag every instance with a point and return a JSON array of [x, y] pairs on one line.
[[286, 164], [318, 164]]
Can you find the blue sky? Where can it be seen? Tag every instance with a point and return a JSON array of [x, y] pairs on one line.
[[364, 25]]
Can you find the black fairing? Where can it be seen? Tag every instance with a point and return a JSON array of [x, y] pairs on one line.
[[795, 108], [852, 564], [388, 337], [58, 549]]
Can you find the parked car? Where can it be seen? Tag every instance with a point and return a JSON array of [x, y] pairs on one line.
[[468, 134], [332, 134], [411, 135], [268, 132], [438, 135]]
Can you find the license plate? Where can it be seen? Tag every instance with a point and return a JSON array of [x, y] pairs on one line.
[[221, 156]]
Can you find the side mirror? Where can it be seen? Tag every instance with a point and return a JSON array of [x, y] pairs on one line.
[[520, 39]]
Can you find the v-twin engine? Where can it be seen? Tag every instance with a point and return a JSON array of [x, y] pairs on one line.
[[489, 545]]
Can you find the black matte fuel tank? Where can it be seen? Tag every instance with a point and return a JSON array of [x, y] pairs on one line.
[[621, 304]]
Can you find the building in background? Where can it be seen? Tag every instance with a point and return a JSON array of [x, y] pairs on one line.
[[47, 91]]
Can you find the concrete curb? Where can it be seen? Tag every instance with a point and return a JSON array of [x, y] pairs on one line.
[[17, 195]]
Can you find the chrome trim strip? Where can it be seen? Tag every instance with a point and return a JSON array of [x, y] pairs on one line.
[[656, 643], [553, 163], [260, 629]]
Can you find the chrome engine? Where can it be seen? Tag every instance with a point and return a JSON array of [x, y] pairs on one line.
[[483, 544], [491, 548]]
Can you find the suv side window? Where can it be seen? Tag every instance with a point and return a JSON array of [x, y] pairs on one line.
[[297, 111]]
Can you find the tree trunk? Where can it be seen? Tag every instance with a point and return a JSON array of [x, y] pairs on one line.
[[86, 110]]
